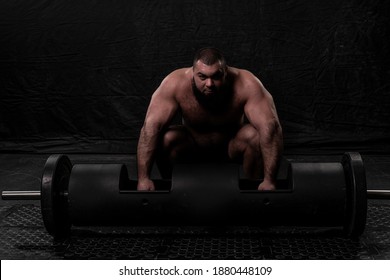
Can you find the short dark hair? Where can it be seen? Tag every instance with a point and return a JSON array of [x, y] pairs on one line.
[[210, 56]]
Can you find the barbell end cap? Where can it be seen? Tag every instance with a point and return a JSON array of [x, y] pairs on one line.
[[356, 194], [54, 185]]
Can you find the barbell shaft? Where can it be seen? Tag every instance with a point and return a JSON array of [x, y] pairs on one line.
[[378, 194], [36, 195], [21, 195]]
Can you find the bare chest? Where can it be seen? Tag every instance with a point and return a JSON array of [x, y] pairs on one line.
[[221, 116]]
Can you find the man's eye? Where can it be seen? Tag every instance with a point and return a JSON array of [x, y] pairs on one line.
[[217, 76], [202, 77]]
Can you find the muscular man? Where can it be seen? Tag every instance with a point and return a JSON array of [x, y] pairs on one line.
[[227, 115]]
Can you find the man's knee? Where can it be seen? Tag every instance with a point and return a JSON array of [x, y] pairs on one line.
[[176, 143], [171, 138], [250, 136], [247, 139]]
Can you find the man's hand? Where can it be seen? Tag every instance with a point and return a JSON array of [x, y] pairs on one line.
[[145, 185], [267, 185]]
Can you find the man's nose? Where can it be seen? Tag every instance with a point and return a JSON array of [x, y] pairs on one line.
[[209, 82]]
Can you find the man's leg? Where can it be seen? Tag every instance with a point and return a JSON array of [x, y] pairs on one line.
[[176, 145], [245, 147]]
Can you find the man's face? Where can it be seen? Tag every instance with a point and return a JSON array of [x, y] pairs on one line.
[[209, 79]]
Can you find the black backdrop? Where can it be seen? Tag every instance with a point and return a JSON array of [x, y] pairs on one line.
[[77, 76]]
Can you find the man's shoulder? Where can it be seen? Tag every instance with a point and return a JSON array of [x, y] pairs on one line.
[[243, 74], [179, 74], [244, 80], [175, 82]]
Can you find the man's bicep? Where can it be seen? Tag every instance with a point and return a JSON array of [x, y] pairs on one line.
[[162, 107], [260, 109]]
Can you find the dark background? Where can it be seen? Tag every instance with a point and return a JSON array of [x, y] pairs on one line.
[[77, 76]]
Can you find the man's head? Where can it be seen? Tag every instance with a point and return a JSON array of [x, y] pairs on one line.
[[209, 67]]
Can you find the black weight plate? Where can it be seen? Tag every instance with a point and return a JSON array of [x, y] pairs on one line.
[[54, 185], [356, 198]]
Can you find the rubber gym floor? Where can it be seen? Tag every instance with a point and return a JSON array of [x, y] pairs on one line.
[[23, 236]]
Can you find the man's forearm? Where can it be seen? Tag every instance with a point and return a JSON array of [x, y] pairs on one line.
[[147, 146], [271, 148]]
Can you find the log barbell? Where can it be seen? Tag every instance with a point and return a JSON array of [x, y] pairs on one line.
[[331, 194]]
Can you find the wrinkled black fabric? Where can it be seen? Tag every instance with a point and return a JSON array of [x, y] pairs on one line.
[[77, 76]]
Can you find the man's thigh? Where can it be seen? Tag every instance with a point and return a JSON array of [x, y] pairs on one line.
[[182, 146]]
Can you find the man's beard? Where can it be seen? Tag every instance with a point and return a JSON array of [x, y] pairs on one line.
[[213, 101]]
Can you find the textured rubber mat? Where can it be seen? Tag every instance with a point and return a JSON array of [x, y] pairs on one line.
[[23, 236]]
